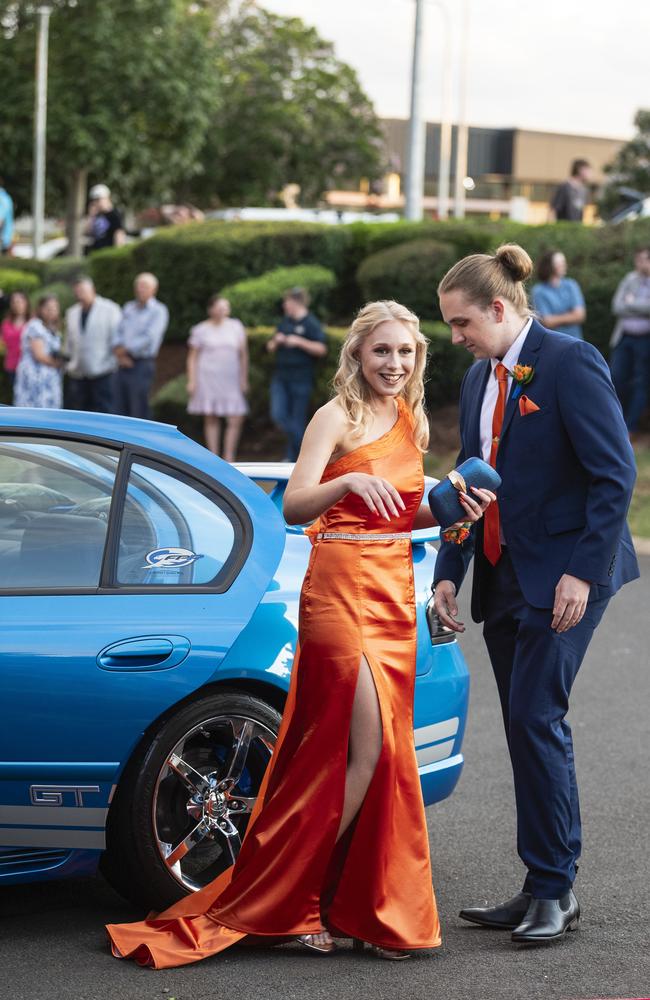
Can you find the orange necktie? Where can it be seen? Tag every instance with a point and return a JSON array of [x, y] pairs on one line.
[[491, 521]]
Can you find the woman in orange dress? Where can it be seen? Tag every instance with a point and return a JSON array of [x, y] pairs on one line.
[[325, 853]]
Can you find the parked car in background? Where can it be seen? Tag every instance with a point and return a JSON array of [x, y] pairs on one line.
[[633, 205], [149, 599]]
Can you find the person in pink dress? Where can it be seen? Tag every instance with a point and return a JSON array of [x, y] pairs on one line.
[[217, 376], [11, 329]]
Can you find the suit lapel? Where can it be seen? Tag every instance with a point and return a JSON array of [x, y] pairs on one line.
[[528, 356], [474, 409]]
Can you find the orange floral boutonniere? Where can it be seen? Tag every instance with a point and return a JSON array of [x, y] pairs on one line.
[[522, 375]]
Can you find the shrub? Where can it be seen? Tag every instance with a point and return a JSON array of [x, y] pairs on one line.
[[63, 292], [64, 269], [6, 390], [369, 238], [13, 280], [113, 271], [48, 271], [195, 260], [27, 264], [409, 273], [258, 301], [445, 371]]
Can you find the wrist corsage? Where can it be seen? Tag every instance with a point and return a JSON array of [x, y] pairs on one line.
[[457, 535]]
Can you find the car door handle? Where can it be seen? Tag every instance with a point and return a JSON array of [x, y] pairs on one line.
[[146, 652]]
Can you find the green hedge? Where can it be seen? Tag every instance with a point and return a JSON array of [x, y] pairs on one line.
[[113, 271], [13, 280], [48, 271], [61, 289], [258, 301], [445, 370], [195, 260], [36, 267], [409, 273]]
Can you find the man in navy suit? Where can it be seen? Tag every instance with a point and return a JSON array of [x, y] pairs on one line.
[[541, 408]]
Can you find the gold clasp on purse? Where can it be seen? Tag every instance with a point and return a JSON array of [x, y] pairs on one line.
[[457, 481]]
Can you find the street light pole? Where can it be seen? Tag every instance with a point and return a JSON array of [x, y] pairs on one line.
[[417, 128], [40, 124], [444, 164], [462, 138]]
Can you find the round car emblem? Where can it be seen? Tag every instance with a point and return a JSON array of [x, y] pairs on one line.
[[171, 558]]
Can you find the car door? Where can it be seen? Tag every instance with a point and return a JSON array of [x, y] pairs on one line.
[[125, 577]]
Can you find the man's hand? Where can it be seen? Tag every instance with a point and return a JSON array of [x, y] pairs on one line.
[[124, 359], [444, 603], [571, 596], [277, 340]]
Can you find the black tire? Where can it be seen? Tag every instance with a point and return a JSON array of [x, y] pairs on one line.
[[152, 801]]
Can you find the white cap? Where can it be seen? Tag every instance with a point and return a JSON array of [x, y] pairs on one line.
[[99, 191]]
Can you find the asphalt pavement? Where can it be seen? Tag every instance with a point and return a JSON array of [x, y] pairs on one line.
[[52, 945]]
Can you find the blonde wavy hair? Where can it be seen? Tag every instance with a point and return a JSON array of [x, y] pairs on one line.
[[351, 388]]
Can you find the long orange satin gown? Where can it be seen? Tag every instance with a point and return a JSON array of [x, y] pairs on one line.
[[291, 877]]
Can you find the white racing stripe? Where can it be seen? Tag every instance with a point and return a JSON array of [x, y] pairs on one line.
[[436, 742], [438, 731], [44, 837], [52, 816], [436, 752]]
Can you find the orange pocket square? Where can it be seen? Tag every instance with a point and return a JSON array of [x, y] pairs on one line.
[[527, 406]]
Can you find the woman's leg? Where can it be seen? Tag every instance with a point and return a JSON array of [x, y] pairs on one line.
[[211, 429], [364, 747], [231, 437]]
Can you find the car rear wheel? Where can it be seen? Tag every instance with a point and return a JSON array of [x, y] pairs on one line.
[[183, 805]]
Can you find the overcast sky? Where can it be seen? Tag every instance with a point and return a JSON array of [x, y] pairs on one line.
[[580, 66]]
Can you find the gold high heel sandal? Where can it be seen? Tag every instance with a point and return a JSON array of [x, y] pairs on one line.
[[391, 954], [307, 941]]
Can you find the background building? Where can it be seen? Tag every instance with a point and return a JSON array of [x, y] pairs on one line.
[[514, 171]]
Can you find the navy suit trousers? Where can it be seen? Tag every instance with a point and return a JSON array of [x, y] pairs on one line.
[[535, 668]]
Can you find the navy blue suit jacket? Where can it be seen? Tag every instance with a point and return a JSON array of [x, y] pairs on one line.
[[568, 472]]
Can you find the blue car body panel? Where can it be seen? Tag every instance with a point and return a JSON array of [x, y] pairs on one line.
[[73, 712]]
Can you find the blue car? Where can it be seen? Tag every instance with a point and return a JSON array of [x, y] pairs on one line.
[[149, 595]]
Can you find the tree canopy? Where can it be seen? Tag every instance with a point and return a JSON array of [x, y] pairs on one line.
[[210, 99], [631, 166], [290, 111]]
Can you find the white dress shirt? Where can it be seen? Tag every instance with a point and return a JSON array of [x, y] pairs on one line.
[[510, 359]]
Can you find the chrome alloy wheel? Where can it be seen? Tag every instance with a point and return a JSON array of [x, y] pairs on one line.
[[204, 794]]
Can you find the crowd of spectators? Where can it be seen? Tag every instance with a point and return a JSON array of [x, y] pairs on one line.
[[106, 359]]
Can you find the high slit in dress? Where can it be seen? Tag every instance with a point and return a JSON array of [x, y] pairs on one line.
[[291, 877]]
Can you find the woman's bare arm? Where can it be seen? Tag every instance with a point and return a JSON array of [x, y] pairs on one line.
[[40, 353], [191, 369], [305, 496]]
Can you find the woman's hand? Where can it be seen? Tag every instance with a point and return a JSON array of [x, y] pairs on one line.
[[378, 494], [190, 387], [475, 508]]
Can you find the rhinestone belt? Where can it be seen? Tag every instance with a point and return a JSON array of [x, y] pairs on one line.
[[363, 536]]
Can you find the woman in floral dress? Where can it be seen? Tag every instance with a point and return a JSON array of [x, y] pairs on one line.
[[39, 378]]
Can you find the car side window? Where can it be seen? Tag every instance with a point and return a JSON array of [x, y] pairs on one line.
[[55, 499], [175, 531]]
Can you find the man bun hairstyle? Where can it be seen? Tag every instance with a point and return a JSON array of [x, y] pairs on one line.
[[484, 277], [515, 260]]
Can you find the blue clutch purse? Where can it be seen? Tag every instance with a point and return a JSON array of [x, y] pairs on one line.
[[443, 498]]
